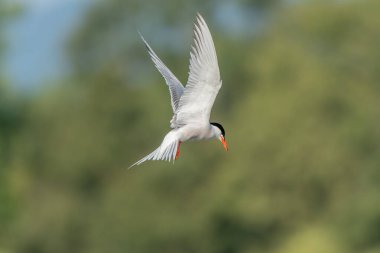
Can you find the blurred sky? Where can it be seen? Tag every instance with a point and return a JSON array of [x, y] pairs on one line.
[[37, 36], [36, 40]]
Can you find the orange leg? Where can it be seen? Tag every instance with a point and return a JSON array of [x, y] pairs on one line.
[[177, 154]]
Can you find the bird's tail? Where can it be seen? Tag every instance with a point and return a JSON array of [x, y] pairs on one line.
[[165, 152]]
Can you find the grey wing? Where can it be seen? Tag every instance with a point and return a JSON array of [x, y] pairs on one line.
[[204, 80], [176, 89]]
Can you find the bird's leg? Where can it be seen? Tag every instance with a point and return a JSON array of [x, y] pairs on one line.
[[177, 154]]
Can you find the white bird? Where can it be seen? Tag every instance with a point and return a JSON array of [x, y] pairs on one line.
[[191, 104]]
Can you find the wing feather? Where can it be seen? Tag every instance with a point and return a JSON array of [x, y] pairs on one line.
[[176, 89], [204, 81]]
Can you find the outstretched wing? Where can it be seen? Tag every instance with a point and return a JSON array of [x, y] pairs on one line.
[[176, 89], [204, 80]]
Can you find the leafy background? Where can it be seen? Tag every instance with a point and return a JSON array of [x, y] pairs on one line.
[[300, 103]]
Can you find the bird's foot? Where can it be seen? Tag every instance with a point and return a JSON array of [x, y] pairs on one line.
[[177, 154]]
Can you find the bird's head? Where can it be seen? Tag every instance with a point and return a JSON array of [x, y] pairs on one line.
[[220, 133]]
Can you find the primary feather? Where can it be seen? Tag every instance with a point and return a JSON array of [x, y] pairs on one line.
[[175, 87], [204, 79]]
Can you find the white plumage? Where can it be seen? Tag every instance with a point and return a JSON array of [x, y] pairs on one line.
[[192, 104]]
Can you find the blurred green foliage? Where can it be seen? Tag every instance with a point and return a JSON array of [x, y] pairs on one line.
[[301, 106]]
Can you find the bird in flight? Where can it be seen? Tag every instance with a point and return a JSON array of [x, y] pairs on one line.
[[191, 104]]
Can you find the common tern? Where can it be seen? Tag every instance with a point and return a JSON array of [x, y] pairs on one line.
[[191, 104]]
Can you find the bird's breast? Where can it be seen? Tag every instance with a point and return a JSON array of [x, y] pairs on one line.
[[194, 132]]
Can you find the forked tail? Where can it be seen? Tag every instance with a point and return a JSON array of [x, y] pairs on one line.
[[164, 152]]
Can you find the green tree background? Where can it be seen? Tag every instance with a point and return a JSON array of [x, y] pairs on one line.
[[300, 103]]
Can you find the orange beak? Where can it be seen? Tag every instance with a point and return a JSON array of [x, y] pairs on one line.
[[224, 142]]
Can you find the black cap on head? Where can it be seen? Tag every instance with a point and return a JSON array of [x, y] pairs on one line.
[[220, 127]]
